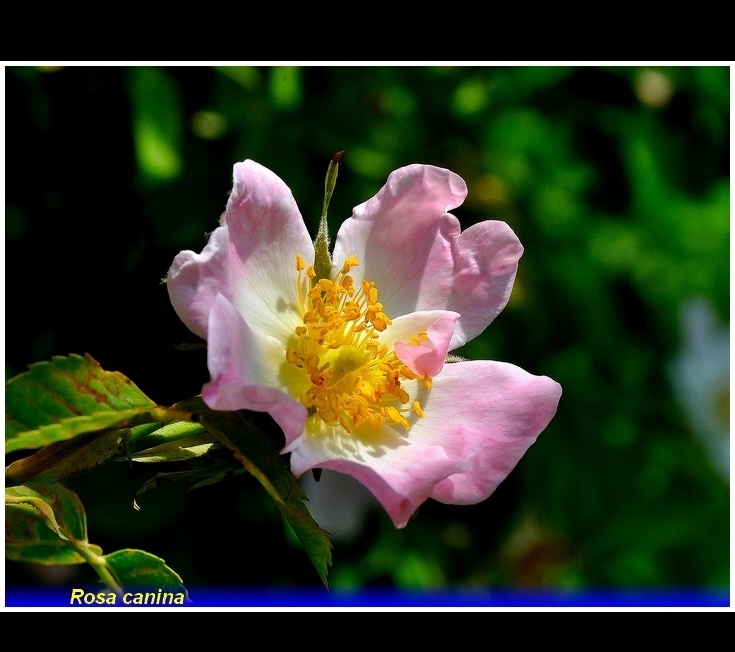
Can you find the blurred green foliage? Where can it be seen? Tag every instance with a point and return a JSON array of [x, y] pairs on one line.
[[616, 180]]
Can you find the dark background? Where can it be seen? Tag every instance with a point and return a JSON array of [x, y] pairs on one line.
[[616, 180]]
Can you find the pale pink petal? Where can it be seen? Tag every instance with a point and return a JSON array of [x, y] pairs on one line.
[[485, 265], [411, 247], [490, 467], [401, 476], [195, 279], [244, 365], [427, 358], [251, 260], [266, 233], [488, 413]]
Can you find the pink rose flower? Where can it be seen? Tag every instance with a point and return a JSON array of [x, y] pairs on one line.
[[353, 367]]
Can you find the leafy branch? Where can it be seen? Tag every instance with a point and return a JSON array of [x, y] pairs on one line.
[[80, 417]]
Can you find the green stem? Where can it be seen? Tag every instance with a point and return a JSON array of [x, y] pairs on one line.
[[97, 562]]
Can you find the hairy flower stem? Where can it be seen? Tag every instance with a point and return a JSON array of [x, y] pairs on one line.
[[96, 562], [322, 258]]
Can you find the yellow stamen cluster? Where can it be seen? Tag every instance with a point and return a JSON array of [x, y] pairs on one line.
[[354, 380]]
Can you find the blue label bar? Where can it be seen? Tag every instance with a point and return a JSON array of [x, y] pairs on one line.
[[226, 597]]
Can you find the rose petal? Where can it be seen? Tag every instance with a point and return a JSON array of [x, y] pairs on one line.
[[488, 413], [195, 279], [410, 246], [251, 260], [399, 475], [266, 233], [244, 367], [427, 358]]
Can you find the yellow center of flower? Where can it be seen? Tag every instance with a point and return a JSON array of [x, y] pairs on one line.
[[353, 379]]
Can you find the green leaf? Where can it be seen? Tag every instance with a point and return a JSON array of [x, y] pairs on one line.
[[136, 569], [150, 434], [41, 524], [260, 457], [174, 442], [63, 459], [32, 504], [66, 397], [138, 432], [178, 452]]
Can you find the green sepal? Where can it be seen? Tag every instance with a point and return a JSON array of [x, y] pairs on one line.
[[322, 257]]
